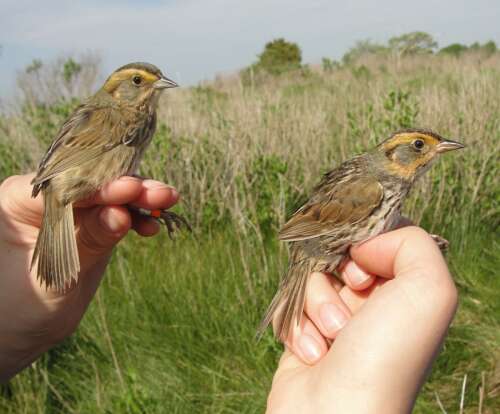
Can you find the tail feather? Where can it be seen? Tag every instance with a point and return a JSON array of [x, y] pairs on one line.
[[288, 303], [56, 252]]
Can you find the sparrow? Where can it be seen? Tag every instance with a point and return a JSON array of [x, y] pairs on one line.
[[354, 202], [102, 140]]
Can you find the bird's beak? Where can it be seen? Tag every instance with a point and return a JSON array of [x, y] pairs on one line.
[[164, 83], [449, 145]]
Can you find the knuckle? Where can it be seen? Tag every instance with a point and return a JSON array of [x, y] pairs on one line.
[[93, 237], [433, 292], [418, 232], [7, 185], [448, 293]]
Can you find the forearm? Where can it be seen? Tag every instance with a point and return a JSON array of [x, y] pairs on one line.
[[16, 354]]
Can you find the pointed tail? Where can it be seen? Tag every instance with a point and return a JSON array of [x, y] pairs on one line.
[[56, 252], [288, 304]]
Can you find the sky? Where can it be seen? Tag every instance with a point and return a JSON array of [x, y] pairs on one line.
[[193, 40]]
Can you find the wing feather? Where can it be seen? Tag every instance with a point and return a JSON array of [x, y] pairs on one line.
[[345, 204], [87, 134]]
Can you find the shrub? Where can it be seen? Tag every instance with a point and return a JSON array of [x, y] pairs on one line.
[[363, 48], [455, 49], [279, 56], [328, 65], [412, 43]]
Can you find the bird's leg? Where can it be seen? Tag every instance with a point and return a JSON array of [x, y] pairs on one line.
[[171, 220], [442, 243]]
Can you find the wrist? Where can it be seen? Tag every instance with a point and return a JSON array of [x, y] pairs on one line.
[[20, 347], [16, 354], [362, 399]]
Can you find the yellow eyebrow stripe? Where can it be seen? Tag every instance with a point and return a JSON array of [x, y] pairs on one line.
[[128, 73], [117, 77], [406, 138]]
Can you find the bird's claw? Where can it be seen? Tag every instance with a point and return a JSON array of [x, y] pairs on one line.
[[441, 242], [173, 221]]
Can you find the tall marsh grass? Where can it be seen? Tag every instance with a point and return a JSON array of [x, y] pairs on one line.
[[172, 328]]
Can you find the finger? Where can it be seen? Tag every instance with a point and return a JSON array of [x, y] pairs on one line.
[[355, 277], [404, 321], [306, 342], [145, 226], [324, 306], [396, 251], [355, 299], [16, 199], [156, 195], [118, 192], [99, 229]]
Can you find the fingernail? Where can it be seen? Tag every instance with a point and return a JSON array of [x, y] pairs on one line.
[[356, 275], [154, 185], [310, 348], [174, 192], [109, 221], [332, 317]]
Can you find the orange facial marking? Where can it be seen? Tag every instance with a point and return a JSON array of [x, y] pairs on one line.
[[408, 137], [409, 170], [116, 78]]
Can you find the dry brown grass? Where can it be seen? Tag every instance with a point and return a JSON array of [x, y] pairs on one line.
[[243, 153], [220, 129]]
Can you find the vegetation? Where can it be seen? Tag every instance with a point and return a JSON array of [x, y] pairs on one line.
[[410, 44], [279, 57], [172, 328], [413, 43]]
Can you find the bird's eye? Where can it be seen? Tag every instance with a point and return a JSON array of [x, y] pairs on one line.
[[418, 144], [137, 80]]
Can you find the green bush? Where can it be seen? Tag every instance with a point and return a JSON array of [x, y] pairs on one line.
[[45, 120], [328, 64], [455, 49], [71, 69], [413, 43], [266, 180], [279, 56], [363, 48], [488, 48], [14, 157]]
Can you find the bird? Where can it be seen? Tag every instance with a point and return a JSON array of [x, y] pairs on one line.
[[103, 139], [354, 202]]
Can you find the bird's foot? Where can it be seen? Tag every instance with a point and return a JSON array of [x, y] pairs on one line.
[[442, 243], [171, 220]]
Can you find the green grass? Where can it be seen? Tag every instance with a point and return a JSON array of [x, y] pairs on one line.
[[178, 335], [172, 328]]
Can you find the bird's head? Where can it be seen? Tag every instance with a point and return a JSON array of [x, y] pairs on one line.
[[409, 153], [137, 83]]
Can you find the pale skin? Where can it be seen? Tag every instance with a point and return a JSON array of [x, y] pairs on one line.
[[386, 330], [33, 319], [392, 326]]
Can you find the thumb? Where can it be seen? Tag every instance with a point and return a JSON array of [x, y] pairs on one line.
[[99, 229]]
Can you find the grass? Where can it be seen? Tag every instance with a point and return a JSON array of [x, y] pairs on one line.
[[172, 328]]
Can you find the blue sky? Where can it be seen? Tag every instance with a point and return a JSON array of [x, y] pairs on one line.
[[192, 40]]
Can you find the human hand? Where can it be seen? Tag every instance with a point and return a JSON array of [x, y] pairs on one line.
[[386, 330], [33, 319]]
